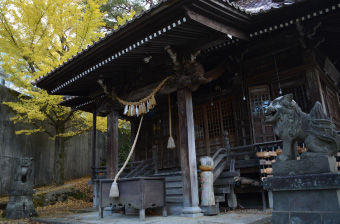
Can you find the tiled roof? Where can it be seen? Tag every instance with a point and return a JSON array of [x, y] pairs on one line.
[[108, 35], [247, 6], [262, 6]]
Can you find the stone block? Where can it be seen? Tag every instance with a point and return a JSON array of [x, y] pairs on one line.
[[211, 210], [303, 182], [312, 198], [280, 218], [304, 218], [192, 212], [317, 200], [311, 165], [330, 218]]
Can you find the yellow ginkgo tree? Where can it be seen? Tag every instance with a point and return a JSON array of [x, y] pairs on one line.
[[35, 37]]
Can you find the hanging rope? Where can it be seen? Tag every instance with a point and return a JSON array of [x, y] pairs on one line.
[[171, 142], [114, 191], [144, 105]]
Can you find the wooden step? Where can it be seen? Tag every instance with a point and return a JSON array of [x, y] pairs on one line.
[[249, 161], [174, 191], [173, 178], [229, 174], [225, 181], [222, 190], [174, 199], [173, 184], [220, 198]]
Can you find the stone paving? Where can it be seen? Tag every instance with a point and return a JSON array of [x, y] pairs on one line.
[[256, 217]]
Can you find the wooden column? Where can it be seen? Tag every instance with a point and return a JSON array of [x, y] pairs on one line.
[[206, 130], [112, 145], [188, 154], [315, 88], [93, 159], [94, 141]]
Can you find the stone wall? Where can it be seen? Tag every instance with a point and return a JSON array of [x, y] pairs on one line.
[[41, 148]]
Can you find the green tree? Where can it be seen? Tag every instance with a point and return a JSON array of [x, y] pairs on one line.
[[115, 10], [35, 37]]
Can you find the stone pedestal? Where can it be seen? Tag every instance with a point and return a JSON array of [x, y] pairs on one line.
[[305, 191], [20, 203], [192, 212]]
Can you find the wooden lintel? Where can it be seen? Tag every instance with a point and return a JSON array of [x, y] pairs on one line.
[[223, 28], [171, 85], [104, 105]]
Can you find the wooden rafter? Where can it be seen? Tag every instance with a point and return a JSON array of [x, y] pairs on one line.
[[223, 28]]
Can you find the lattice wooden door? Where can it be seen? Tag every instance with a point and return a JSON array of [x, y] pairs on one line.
[[259, 100]]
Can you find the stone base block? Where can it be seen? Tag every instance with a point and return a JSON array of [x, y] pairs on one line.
[[211, 210], [192, 212], [305, 199], [312, 165], [20, 210], [305, 218]]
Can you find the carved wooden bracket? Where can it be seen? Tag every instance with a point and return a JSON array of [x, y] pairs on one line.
[[189, 73]]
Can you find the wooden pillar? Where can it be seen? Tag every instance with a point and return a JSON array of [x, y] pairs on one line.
[[188, 154], [94, 141], [112, 145], [315, 88], [206, 130]]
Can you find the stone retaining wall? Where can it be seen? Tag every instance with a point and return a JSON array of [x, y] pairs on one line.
[[41, 148]]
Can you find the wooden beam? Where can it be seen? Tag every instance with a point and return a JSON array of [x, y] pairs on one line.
[[223, 28], [171, 84], [188, 154], [112, 144]]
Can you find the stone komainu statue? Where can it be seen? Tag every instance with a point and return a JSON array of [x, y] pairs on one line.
[[316, 130], [24, 170]]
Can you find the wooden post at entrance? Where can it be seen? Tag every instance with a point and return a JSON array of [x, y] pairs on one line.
[[93, 160], [94, 135], [112, 145], [315, 88], [188, 154]]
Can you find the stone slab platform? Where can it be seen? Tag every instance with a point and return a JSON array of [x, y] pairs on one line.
[[312, 165], [305, 199], [258, 217]]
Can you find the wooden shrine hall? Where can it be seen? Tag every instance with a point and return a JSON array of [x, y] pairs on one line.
[[209, 68]]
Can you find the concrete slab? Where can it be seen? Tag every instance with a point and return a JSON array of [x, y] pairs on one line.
[[257, 217]]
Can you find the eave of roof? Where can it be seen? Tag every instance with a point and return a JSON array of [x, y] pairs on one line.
[[137, 20], [261, 30], [171, 6]]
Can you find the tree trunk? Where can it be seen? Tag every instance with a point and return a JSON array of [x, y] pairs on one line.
[[59, 156]]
